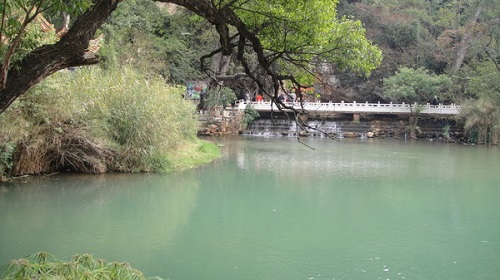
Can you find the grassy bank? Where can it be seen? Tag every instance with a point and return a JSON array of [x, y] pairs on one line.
[[91, 120]]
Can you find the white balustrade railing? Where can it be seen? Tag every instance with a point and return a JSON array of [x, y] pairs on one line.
[[354, 107]]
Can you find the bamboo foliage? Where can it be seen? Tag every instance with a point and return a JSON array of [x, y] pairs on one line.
[[482, 113], [482, 117], [144, 117]]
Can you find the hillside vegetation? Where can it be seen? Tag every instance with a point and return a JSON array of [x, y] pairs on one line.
[[455, 40]]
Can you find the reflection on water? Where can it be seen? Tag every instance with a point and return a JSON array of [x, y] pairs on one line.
[[106, 212], [275, 209]]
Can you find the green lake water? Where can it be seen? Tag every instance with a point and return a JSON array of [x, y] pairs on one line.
[[276, 209]]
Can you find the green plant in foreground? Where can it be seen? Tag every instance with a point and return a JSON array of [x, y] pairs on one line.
[[43, 265], [446, 132], [6, 160], [250, 115]]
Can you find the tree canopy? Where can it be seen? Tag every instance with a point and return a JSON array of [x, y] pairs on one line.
[[284, 38], [415, 85], [444, 37]]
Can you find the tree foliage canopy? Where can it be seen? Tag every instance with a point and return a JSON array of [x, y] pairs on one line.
[[20, 32], [441, 36], [285, 37], [415, 85], [304, 31], [289, 37]]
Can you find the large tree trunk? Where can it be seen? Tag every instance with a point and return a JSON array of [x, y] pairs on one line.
[[69, 51], [220, 64], [466, 42]]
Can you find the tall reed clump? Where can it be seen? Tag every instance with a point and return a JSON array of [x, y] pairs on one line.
[[47, 136], [94, 120], [44, 266], [147, 119], [482, 120]]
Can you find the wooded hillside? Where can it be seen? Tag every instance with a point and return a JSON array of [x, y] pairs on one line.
[[455, 38]]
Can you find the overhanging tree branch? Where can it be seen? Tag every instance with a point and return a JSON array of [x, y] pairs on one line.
[[4, 70], [67, 52], [71, 49]]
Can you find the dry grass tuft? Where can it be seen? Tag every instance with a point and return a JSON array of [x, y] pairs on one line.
[[61, 148]]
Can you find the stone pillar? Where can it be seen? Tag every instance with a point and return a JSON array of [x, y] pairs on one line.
[[355, 118]]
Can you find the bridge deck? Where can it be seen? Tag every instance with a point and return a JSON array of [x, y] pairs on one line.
[[369, 108]]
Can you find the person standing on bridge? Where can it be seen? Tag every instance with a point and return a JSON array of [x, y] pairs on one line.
[[259, 97], [292, 96], [282, 98]]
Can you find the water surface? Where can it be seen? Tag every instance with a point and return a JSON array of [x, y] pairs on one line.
[[276, 209]]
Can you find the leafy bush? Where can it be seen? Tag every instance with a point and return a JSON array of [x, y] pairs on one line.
[[44, 266], [482, 120], [414, 85], [482, 112], [402, 34], [250, 115], [145, 117], [221, 97], [6, 161]]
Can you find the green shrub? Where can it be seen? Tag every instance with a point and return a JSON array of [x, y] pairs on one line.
[[6, 161], [220, 97], [402, 34], [44, 266], [250, 115], [145, 117]]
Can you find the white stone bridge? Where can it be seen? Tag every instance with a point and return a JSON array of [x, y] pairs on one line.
[[354, 107]]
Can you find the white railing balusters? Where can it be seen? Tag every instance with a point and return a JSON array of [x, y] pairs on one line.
[[354, 107]]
